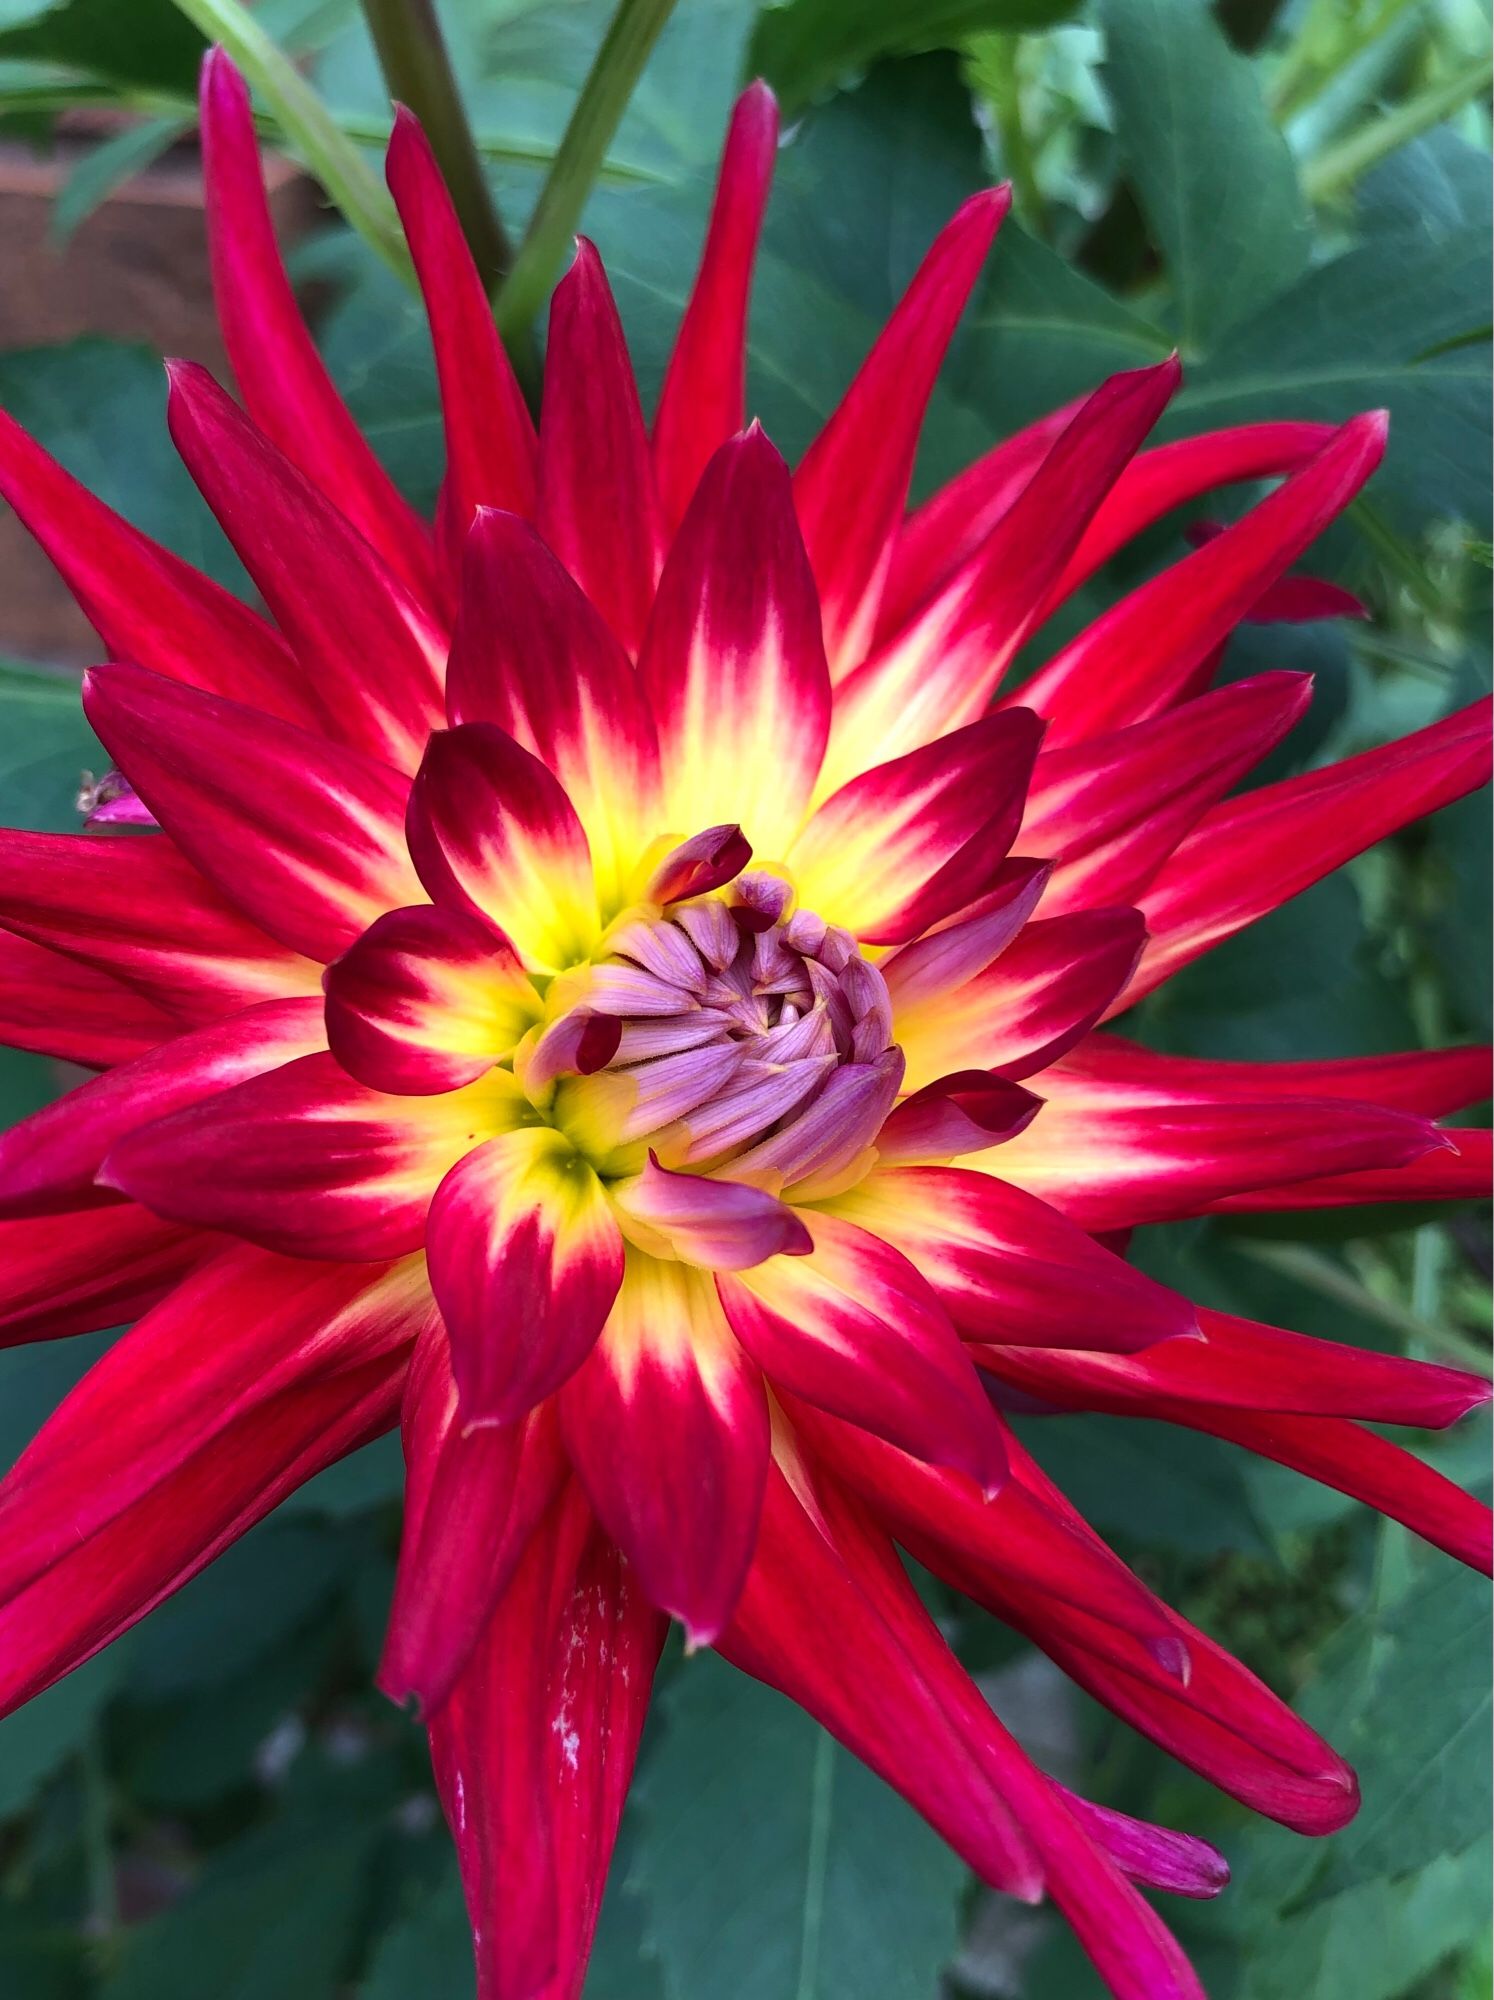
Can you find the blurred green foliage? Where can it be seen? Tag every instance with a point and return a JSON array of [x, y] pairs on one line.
[[1297, 197]]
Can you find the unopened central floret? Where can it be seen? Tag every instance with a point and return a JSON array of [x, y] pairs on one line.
[[746, 1033]]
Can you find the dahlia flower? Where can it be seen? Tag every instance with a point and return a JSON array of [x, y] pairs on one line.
[[548, 971]]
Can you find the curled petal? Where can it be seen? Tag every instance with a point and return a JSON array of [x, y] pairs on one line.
[[704, 862], [525, 1260], [701, 402], [426, 1000], [494, 836], [952, 952], [723, 1225], [963, 1113]]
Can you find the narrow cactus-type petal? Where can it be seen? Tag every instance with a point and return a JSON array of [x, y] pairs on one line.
[[941, 668], [534, 1750], [525, 1260], [53, 1005], [473, 1499], [146, 604], [734, 664], [1136, 659], [702, 402], [1460, 1169], [1170, 475], [1034, 1001], [171, 1446], [284, 384], [83, 1269], [1115, 1148], [1249, 855], [852, 1328], [851, 488], [302, 834], [136, 909], [370, 649], [530, 654], [544, 974], [490, 441], [306, 1161], [912, 842], [685, 1512], [1109, 812], [48, 1162], [951, 524], [1006, 1264], [1239, 1364], [598, 507]]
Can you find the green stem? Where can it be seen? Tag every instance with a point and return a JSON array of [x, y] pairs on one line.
[[308, 126], [1002, 55], [412, 54], [626, 47], [1307, 71], [103, 1901], [1342, 165], [1330, 1281]]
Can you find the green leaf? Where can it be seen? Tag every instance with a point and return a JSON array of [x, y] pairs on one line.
[[273, 1913], [148, 43], [105, 167], [1371, 1943], [770, 1863], [252, 1598], [100, 407], [1211, 171], [1152, 1482], [39, 1738], [1407, 1693], [1397, 324], [428, 1951], [45, 748], [806, 47]]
